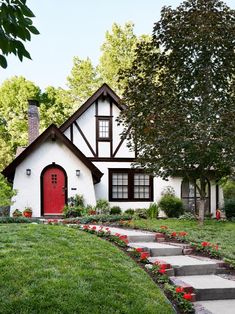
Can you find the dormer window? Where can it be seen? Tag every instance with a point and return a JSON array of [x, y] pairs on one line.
[[104, 129]]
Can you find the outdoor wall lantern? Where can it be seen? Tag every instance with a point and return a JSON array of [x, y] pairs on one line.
[[28, 172], [77, 172]]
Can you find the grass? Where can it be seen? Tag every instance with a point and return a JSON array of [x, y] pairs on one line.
[[56, 269], [213, 231]]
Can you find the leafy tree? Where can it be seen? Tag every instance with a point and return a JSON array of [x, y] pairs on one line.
[[16, 27], [55, 106], [181, 100], [6, 192], [14, 95], [83, 80]]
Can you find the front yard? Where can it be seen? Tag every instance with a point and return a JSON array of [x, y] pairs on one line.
[[55, 269], [222, 233]]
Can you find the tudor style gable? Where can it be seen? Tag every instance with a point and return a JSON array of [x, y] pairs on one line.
[[94, 129]]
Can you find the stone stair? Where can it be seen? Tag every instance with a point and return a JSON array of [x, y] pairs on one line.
[[214, 294]]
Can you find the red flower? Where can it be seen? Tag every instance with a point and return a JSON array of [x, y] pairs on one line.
[[204, 244], [174, 234], [94, 228], [144, 255], [85, 227], [107, 229], [163, 266], [117, 234], [139, 249], [187, 296], [162, 271], [179, 289]]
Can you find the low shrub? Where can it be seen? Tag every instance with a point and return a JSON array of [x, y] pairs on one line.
[[72, 211], [115, 210], [102, 207], [153, 211], [129, 211], [187, 216], [8, 220], [229, 208], [17, 213], [141, 213], [171, 205]]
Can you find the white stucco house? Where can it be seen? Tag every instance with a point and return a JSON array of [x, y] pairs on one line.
[[87, 156]]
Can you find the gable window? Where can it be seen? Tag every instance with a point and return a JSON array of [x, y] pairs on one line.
[[191, 197], [103, 129], [130, 185]]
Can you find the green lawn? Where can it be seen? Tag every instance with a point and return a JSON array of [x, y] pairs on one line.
[[56, 269], [220, 232]]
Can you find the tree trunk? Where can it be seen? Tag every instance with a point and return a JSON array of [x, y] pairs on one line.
[[202, 204]]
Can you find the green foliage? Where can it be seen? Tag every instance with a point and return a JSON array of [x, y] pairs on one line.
[[115, 210], [187, 216], [102, 206], [130, 211], [152, 211], [229, 189], [14, 95], [16, 27], [171, 205], [19, 219], [17, 213], [56, 106], [141, 213], [229, 208], [75, 207], [6, 192], [83, 81], [180, 94]]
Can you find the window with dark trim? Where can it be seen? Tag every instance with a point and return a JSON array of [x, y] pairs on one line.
[[130, 185], [103, 129], [191, 197]]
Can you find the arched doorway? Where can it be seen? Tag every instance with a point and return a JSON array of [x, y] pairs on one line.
[[53, 190]]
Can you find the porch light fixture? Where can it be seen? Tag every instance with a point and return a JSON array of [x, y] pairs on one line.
[[77, 172], [28, 172]]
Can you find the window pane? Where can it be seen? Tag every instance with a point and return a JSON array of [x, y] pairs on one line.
[[103, 128], [141, 186], [120, 185]]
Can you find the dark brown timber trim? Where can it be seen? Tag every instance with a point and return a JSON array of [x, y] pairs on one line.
[[85, 139]]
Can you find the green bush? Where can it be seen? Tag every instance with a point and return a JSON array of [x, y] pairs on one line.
[[171, 205], [102, 207], [141, 213], [72, 211], [187, 216], [130, 211], [6, 193], [115, 210], [229, 208], [229, 190], [153, 211], [8, 220]]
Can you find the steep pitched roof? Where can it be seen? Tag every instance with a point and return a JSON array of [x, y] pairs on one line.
[[104, 90], [51, 132]]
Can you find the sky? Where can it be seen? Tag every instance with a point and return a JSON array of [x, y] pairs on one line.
[[71, 28]]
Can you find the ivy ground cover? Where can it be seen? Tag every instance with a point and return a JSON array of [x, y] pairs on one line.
[[221, 233], [56, 269]]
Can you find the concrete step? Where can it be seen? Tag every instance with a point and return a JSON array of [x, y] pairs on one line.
[[207, 287], [184, 265], [215, 307], [157, 249], [135, 235]]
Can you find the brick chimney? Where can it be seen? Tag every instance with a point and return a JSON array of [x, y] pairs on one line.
[[33, 120]]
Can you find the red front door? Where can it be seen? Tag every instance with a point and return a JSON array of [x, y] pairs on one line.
[[54, 191]]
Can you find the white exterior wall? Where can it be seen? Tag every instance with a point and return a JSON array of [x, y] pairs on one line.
[[28, 187], [102, 188]]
